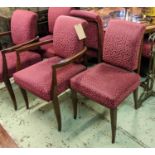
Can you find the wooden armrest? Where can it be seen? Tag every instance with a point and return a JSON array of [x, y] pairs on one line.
[[33, 45], [10, 49], [70, 59], [5, 33]]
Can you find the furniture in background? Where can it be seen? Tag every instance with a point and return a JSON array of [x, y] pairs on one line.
[[49, 78], [110, 82], [53, 14], [22, 32], [5, 18], [94, 32]]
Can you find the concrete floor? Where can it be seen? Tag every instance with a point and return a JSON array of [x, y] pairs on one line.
[[37, 127]]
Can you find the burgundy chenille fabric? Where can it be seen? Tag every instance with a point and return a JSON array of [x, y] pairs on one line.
[[38, 78], [23, 26], [109, 83]]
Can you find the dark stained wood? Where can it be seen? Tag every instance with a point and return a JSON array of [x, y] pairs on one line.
[[5, 33], [5, 140]]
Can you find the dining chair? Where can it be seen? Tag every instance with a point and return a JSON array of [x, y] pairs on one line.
[[23, 31], [53, 14], [110, 82], [94, 32], [49, 78]]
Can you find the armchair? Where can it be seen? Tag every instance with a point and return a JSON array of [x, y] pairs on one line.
[[23, 31], [94, 32], [53, 14], [111, 81], [49, 78]]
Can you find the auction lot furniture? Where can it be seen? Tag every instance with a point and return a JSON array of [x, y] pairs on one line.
[[110, 82], [49, 78], [23, 31]]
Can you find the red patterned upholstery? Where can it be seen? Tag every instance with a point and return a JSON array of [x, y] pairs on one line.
[[106, 84], [23, 26], [27, 58], [122, 42], [147, 49], [53, 13], [92, 30], [38, 78], [65, 40], [46, 46]]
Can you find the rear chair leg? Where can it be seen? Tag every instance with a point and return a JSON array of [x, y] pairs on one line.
[[135, 96], [57, 112], [11, 93], [113, 116], [24, 93], [74, 102]]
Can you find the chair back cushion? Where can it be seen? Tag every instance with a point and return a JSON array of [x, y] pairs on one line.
[[54, 13], [23, 26], [65, 39], [94, 24], [122, 42]]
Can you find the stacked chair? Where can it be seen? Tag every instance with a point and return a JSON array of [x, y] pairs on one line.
[[94, 32], [53, 14], [23, 31], [49, 78], [111, 81]]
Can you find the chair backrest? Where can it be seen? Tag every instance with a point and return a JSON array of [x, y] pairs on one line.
[[23, 26], [65, 39], [122, 43], [54, 13], [95, 27]]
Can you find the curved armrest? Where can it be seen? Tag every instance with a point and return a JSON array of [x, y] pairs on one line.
[[33, 45], [61, 64], [5, 33], [10, 49], [70, 59]]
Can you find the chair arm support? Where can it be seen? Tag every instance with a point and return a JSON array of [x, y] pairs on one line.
[[61, 64], [5, 33], [33, 45], [70, 59], [10, 49]]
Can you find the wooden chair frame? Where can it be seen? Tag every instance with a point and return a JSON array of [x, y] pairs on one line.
[[5, 68], [54, 68]]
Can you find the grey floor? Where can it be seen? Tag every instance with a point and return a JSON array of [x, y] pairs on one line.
[[37, 127]]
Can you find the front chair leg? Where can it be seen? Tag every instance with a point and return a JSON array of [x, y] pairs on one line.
[[11, 93], [74, 102], [135, 96], [113, 116], [57, 111], [24, 93]]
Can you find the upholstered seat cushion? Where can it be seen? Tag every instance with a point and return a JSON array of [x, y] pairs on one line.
[[27, 58], [147, 49], [105, 84], [38, 78]]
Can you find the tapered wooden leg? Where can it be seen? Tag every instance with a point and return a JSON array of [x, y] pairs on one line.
[[57, 112], [11, 93], [24, 93], [135, 96], [113, 116], [74, 102]]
